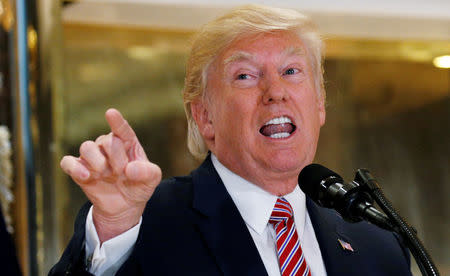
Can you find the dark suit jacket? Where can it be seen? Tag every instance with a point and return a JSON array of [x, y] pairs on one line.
[[8, 260], [191, 226]]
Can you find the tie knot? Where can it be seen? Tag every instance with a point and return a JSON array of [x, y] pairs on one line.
[[282, 211]]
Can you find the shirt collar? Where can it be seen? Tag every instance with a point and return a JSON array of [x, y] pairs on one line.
[[254, 203]]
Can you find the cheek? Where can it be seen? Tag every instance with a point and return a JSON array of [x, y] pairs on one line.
[[238, 109], [227, 118], [312, 113]]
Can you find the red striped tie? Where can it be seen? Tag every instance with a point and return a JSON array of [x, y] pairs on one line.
[[290, 254]]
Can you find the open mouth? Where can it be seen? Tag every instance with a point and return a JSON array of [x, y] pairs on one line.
[[278, 128]]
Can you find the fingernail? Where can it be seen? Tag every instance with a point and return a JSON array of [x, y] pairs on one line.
[[84, 174]]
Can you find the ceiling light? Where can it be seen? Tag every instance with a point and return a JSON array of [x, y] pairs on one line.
[[442, 61]]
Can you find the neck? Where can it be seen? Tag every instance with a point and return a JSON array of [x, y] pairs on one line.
[[278, 184], [278, 187]]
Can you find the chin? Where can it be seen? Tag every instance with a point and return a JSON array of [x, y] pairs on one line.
[[286, 162]]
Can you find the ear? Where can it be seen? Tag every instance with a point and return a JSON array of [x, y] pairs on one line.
[[202, 118], [321, 109]]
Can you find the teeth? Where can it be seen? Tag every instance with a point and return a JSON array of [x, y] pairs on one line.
[[278, 120], [280, 135]]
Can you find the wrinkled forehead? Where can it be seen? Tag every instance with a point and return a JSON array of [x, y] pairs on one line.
[[241, 55], [281, 44]]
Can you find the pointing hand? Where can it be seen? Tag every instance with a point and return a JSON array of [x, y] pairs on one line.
[[116, 175]]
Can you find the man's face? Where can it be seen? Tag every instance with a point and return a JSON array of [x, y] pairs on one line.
[[262, 115]]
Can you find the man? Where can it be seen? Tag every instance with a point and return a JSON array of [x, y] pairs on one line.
[[254, 101]]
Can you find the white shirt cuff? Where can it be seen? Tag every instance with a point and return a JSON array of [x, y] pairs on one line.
[[109, 257]]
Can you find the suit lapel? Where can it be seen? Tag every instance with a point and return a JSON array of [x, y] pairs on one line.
[[222, 226], [336, 258], [226, 235]]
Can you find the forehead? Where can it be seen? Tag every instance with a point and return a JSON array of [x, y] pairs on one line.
[[267, 45]]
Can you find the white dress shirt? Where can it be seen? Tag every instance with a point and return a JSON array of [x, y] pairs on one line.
[[255, 206], [109, 257]]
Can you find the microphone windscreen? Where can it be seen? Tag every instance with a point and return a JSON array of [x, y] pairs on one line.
[[311, 176]]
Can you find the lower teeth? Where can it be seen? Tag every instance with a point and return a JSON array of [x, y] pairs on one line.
[[280, 135]]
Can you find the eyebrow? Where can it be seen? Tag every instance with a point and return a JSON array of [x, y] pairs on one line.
[[294, 51], [239, 56]]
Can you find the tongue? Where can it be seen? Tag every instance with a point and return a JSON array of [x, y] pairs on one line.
[[279, 128]]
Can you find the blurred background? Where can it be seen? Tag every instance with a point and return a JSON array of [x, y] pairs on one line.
[[63, 63]]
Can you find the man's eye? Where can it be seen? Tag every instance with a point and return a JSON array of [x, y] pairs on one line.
[[243, 77], [291, 71]]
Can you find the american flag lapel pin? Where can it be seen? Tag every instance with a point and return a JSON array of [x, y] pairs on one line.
[[345, 245]]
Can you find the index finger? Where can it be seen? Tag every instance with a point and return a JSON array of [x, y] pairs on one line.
[[119, 126]]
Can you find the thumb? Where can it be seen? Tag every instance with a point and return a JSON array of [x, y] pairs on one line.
[[143, 171]]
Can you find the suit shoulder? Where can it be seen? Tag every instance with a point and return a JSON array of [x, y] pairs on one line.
[[375, 250], [171, 193], [179, 186], [363, 231], [377, 242]]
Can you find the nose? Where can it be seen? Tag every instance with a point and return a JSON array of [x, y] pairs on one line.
[[273, 90]]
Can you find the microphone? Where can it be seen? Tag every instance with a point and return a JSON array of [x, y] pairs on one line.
[[329, 190]]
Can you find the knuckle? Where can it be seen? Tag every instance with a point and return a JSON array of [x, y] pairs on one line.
[[107, 140], [156, 168], [117, 142], [99, 139], [125, 129], [156, 172], [86, 146], [119, 163], [99, 165], [123, 126]]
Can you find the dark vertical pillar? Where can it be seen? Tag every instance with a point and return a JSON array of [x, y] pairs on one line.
[[22, 130]]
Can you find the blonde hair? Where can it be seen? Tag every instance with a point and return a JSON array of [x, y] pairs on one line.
[[217, 35]]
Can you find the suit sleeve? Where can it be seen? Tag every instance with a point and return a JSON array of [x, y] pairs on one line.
[[72, 261], [404, 248]]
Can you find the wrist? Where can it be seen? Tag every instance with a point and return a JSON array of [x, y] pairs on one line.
[[109, 226]]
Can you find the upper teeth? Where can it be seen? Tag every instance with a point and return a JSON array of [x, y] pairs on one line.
[[278, 120]]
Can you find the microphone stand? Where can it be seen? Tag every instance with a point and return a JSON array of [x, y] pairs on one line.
[[423, 259]]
